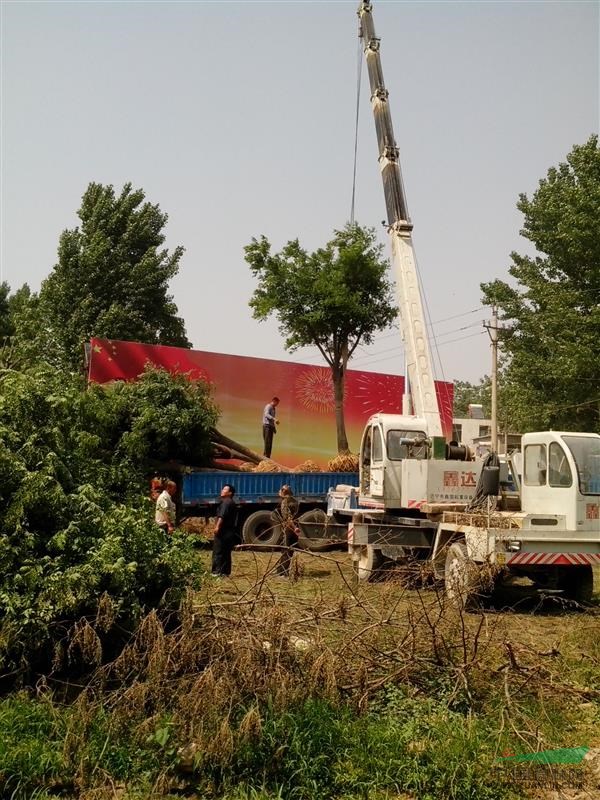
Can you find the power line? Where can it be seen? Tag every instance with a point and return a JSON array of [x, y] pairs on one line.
[[461, 338], [456, 316], [575, 405], [442, 344], [400, 347], [436, 322]]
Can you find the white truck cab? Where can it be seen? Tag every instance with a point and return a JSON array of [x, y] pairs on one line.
[[402, 467], [561, 480]]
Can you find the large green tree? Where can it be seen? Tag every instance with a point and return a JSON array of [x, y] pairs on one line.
[[112, 276], [334, 298], [551, 364]]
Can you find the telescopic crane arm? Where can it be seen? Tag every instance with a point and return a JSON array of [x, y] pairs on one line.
[[419, 366]]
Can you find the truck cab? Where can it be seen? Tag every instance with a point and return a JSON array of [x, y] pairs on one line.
[[402, 466], [560, 484]]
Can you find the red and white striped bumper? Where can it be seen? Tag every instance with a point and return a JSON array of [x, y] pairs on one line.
[[559, 559]]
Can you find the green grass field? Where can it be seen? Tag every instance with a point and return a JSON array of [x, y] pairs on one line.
[[314, 687]]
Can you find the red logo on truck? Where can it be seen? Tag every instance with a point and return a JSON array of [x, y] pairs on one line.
[[468, 479], [450, 479], [592, 511]]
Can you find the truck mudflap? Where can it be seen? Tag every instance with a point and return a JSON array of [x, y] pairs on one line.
[[320, 532], [382, 534]]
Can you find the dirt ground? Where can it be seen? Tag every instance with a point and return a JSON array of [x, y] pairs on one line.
[[523, 635], [324, 580]]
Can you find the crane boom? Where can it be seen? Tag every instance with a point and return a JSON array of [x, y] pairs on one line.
[[419, 365]]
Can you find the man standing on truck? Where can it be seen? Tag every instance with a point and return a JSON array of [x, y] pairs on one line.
[[269, 424], [225, 537]]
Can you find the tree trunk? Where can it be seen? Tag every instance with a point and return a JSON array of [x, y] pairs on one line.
[[221, 451], [250, 455], [338, 376]]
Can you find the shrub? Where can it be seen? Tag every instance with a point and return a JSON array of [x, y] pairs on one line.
[[75, 526]]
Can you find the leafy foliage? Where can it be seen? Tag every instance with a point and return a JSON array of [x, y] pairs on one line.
[[25, 339], [314, 750], [112, 275], [74, 523], [5, 321], [466, 393], [334, 298], [551, 366]]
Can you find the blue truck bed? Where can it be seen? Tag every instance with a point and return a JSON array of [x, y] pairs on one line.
[[201, 489]]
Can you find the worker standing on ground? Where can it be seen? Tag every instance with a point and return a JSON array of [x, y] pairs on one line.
[[269, 424], [225, 537], [164, 515], [286, 517]]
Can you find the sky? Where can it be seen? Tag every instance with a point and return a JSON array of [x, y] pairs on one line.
[[238, 119]]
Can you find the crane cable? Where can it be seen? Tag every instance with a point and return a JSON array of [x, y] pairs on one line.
[[433, 338], [358, 82]]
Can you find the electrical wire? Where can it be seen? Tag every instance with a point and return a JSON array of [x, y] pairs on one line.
[[358, 83], [432, 338], [442, 344], [575, 405], [364, 356], [456, 316], [432, 324]]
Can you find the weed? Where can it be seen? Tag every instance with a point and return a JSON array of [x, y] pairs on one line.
[[402, 697]]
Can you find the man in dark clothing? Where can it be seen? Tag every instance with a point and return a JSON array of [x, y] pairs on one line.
[[225, 535], [269, 422], [286, 517]]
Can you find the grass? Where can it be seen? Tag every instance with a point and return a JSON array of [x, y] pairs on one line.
[[307, 689]]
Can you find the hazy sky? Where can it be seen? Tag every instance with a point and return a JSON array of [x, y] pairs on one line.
[[237, 118]]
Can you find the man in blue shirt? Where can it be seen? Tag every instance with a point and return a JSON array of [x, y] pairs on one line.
[[269, 422]]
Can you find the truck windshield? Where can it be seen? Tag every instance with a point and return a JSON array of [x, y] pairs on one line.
[[406, 444], [586, 452]]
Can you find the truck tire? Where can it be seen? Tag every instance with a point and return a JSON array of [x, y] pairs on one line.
[[260, 528], [369, 565], [462, 577], [577, 583]]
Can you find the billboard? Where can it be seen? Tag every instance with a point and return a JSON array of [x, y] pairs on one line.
[[243, 385]]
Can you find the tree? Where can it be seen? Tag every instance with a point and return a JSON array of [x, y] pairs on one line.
[[466, 393], [5, 321], [551, 369], [334, 299], [112, 276], [76, 528], [21, 335]]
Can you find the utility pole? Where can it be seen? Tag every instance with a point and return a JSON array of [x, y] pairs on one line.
[[492, 329]]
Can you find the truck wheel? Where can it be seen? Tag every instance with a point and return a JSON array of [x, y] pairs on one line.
[[261, 528], [369, 565], [577, 583], [462, 577]]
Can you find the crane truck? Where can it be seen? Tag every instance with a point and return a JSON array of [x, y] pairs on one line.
[[422, 498]]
